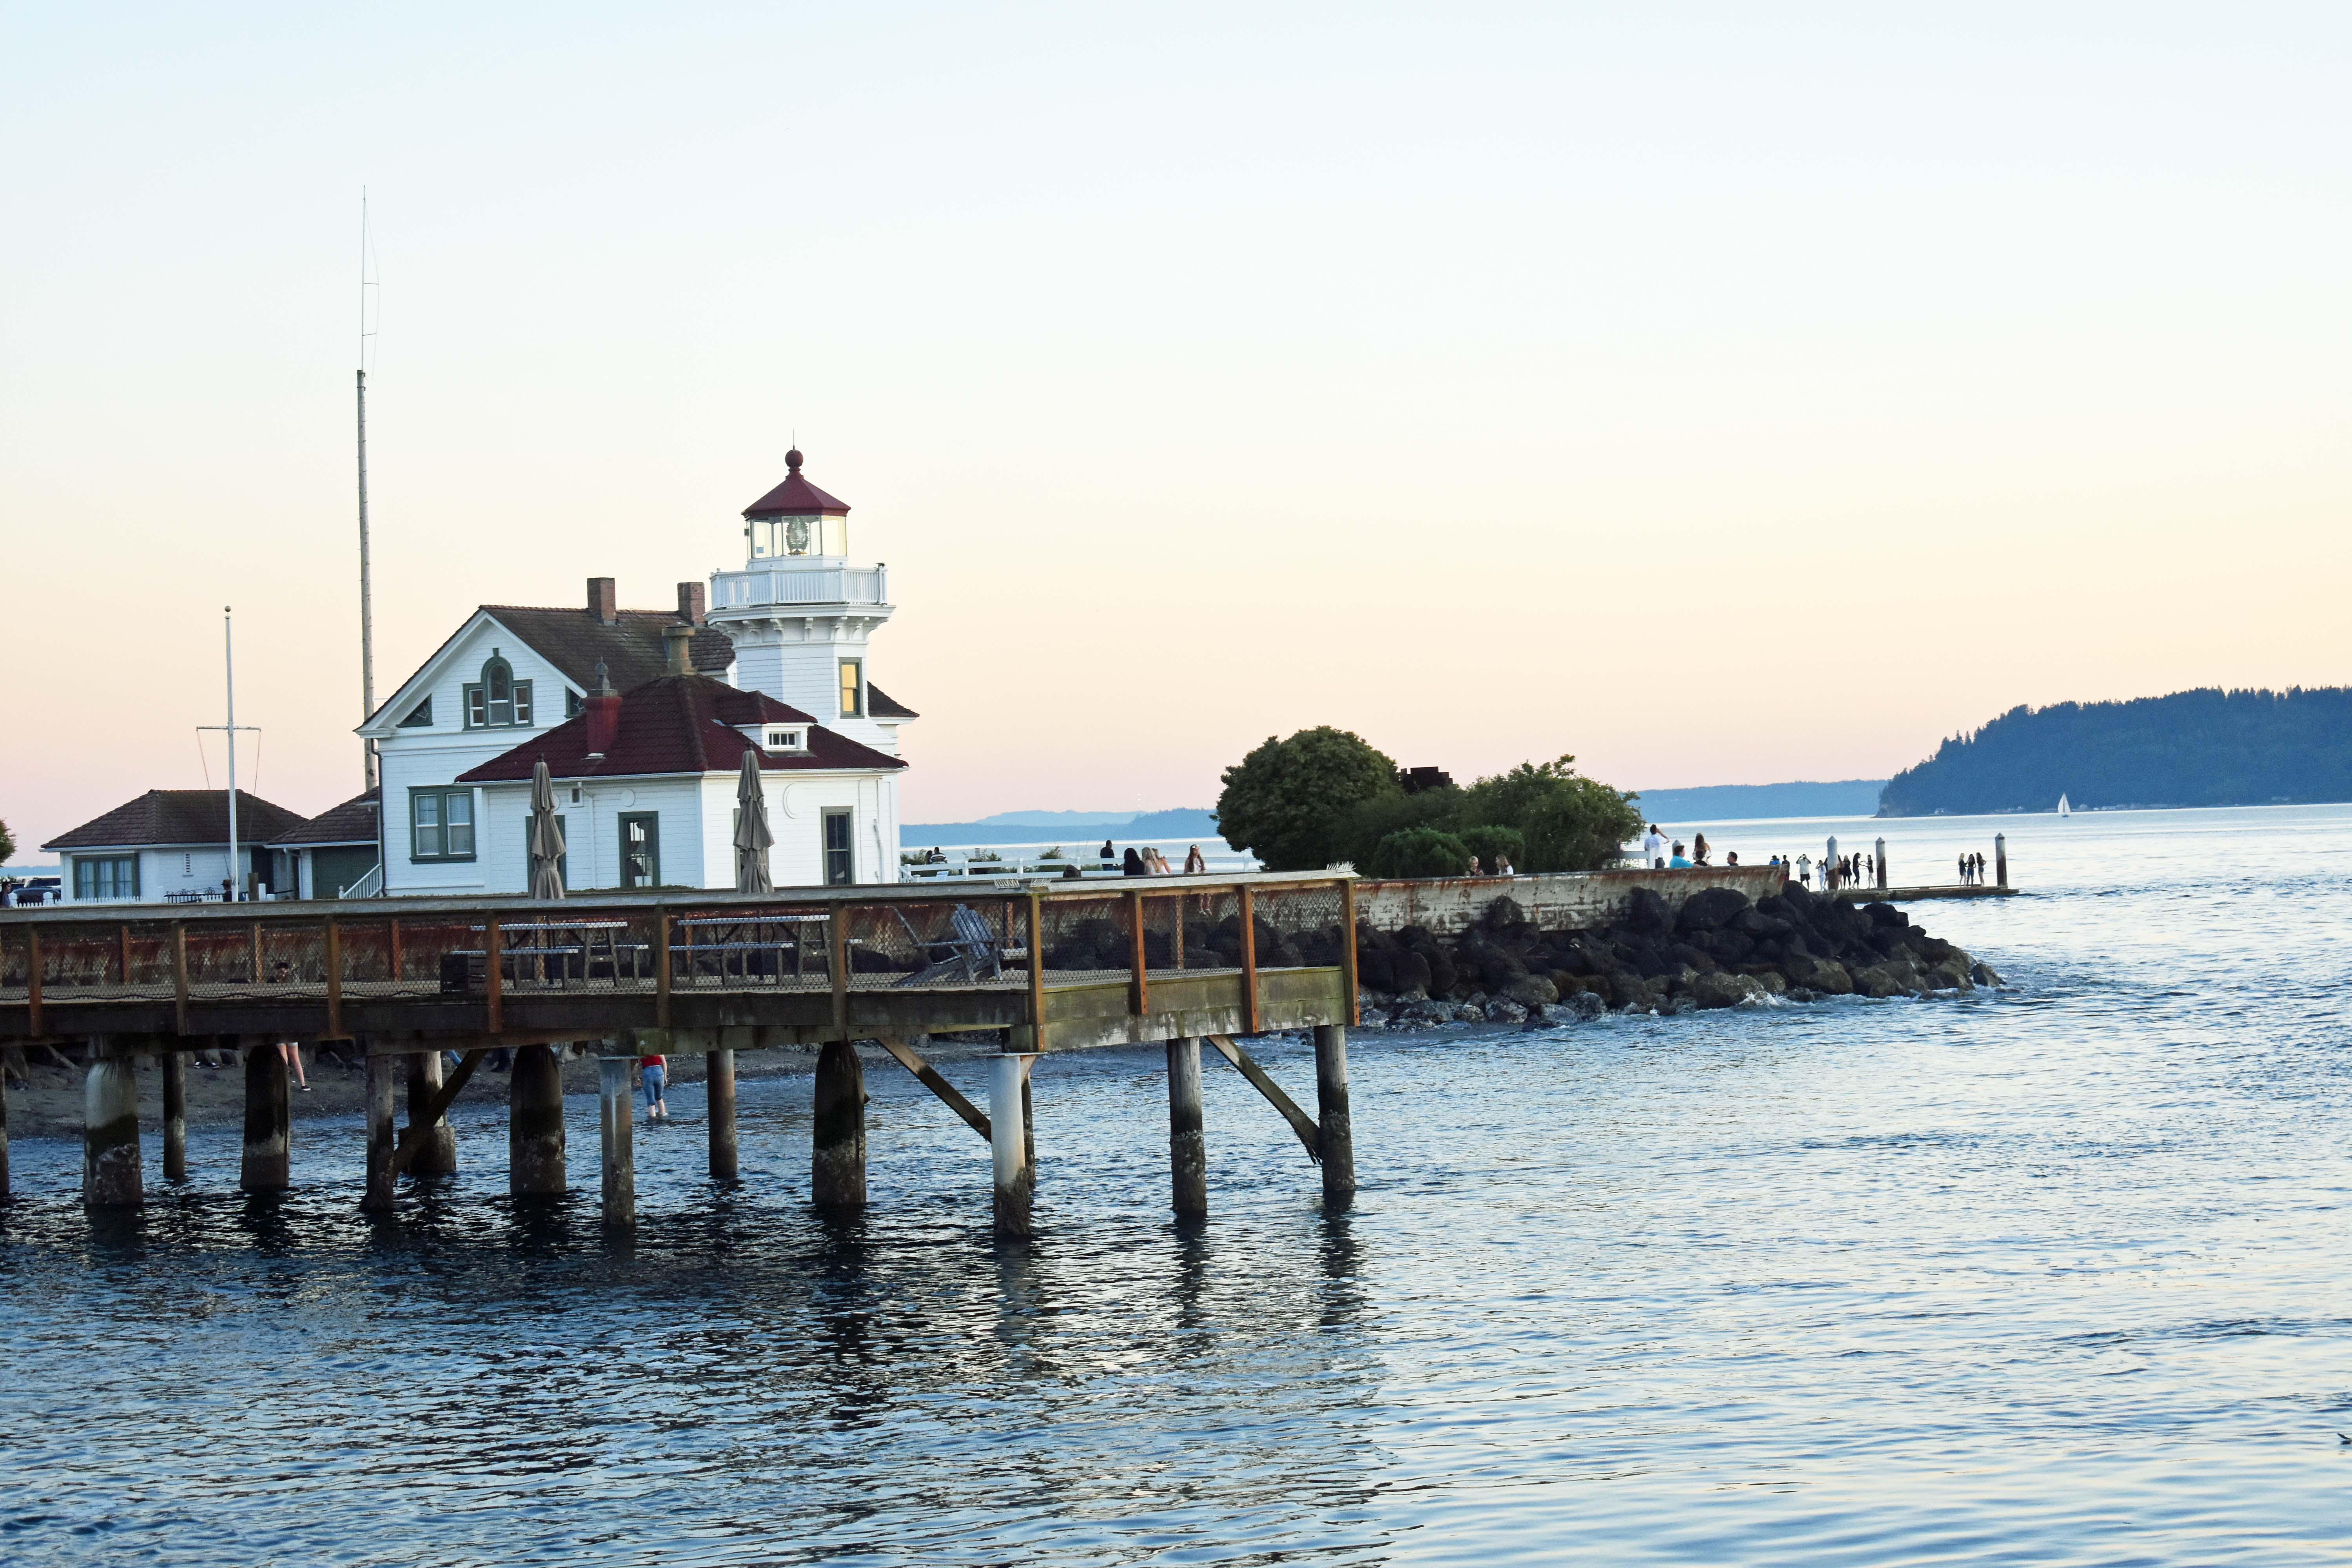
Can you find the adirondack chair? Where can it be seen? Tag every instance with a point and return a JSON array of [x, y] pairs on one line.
[[970, 953]]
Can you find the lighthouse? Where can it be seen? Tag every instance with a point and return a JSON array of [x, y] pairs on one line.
[[802, 610]]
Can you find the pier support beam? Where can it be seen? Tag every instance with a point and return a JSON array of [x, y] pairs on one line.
[[1187, 1145], [111, 1175], [1335, 1125], [1016, 1180], [719, 1077], [837, 1156], [1879, 859], [267, 1167], [535, 1125], [436, 1155], [174, 1066], [2000, 859], [384, 1075], [616, 1102]]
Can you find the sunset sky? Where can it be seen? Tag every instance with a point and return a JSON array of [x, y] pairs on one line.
[[1718, 397]]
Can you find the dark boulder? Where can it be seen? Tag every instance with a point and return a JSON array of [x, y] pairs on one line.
[[1647, 913], [1885, 915], [1504, 914], [1711, 909]]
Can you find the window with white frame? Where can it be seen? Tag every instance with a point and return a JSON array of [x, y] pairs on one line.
[[786, 739], [440, 825], [498, 700]]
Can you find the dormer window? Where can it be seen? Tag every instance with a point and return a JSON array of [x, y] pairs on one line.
[[498, 700], [790, 738]]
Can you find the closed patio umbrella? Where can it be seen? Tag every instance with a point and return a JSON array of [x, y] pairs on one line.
[[751, 835], [546, 837]]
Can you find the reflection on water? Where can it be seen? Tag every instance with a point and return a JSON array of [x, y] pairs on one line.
[[2051, 1276]]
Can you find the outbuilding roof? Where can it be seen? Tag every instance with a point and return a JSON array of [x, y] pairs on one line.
[[353, 822], [796, 496], [181, 817], [681, 724]]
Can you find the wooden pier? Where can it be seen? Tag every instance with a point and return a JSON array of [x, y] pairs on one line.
[[1055, 966], [1914, 895]]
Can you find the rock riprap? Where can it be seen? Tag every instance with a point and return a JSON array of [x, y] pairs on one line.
[[1717, 951]]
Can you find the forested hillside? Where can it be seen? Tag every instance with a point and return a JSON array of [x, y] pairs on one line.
[[2193, 748]]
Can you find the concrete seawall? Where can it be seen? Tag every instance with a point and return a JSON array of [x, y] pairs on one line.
[[1562, 901]]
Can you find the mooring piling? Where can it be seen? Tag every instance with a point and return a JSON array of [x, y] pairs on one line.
[[1335, 1125], [535, 1125], [617, 1100], [2000, 859], [837, 1129], [4, 1130], [1016, 1183], [110, 1174], [1879, 859], [436, 1153], [719, 1077], [266, 1165], [174, 1068], [384, 1075], [1187, 1145]]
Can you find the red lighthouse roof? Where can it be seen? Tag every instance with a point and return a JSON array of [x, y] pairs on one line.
[[796, 496]]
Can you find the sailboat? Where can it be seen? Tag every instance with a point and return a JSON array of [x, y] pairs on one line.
[[2062, 809]]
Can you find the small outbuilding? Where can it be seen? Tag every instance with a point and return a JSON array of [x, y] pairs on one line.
[[170, 847], [335, 854]]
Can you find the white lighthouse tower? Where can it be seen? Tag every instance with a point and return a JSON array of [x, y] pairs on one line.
[[799, 612]]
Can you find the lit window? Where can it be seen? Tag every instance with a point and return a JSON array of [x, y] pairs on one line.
[[853, 689]]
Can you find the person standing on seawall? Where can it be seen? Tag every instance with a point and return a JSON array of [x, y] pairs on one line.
[[655, 1073], [1653, 848]]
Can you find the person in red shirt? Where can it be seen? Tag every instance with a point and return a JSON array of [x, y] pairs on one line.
[[655, 1072]]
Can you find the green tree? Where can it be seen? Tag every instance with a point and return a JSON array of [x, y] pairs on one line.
[[1570, 823], [8, 845], [1419, 852], [1369, 822], [1491, 843], [1287, 800]]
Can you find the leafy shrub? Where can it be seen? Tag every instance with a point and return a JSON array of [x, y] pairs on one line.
[[1285, 801], [1488, 841], [1419, 852]]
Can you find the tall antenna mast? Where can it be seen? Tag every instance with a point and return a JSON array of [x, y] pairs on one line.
[[233, 887], [367, 605]]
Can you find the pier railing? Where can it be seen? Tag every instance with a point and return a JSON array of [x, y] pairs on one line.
[[1070, 963]]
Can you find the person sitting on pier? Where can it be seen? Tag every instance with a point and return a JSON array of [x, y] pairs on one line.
[[1195, 863], [1473, 870], [1503, 865], [1109, 856], [1732, 858], [1699, 849], [1677, 861], [1133, 865]]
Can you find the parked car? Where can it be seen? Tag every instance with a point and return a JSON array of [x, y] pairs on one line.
[[38, 890]]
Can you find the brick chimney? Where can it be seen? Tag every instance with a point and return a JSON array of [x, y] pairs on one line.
[[604, 605], [677, 637], [691, 603], [604, 707]]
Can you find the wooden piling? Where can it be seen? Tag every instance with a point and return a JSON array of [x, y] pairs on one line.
[[718, 1075], [837, 1152], [3, 1132], [175, 1116], [535, 1125], [384, 1073], [267, 1164], [436, 1153], [111, 1175], [1335, 1125], [617, 1100], [2000, 859], [1188, 1147], [1016, 1183], [1880, 859]]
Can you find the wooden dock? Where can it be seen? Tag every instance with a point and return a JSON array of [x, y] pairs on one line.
[[1912, 895], [1056, 966]]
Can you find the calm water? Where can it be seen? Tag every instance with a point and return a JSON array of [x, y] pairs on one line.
[[2052, 1277]]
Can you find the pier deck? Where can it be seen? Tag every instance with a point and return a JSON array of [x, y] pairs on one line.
[[1912, 895], [1056, 965]]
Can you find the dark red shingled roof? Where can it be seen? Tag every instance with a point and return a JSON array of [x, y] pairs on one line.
[[796, 496], [574, 642], [879, 704], [353, 822], [679, 724], [181, 817]]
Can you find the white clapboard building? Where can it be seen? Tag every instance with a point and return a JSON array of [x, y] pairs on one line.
[[792, 626]]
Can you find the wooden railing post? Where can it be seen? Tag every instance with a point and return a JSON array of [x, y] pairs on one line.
[[335, 979], [1139, 996], [179, 979], [493, 973], [125, 934], [837, 945], [257, 952], [1249, 960], [395, 953], [1036, 970], [661, 967], [33, 979], [1348, 946]]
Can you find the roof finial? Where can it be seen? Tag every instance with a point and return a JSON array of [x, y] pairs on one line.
[[792, 458]]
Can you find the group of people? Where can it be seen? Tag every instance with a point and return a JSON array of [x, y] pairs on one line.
[[1503, 867], [1660, 854], [1142, 860], [1972, 870]]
